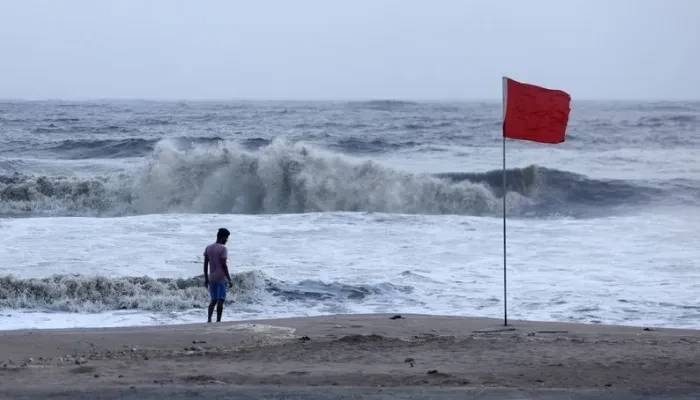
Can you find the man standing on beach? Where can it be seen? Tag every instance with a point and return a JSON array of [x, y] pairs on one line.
[[216, 274]]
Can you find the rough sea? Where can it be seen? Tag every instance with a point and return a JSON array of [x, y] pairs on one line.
[[346, 207]]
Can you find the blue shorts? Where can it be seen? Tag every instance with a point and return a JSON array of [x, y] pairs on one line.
[[217, 290]]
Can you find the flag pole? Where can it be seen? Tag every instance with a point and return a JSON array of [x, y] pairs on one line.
[[505, 292]]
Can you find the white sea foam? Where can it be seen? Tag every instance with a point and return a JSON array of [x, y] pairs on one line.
[[626, 270]]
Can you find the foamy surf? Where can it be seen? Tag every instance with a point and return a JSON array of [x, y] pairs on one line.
[[576, 270], [222, 177]]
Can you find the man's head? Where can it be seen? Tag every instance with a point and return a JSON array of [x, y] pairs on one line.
[[222, 235]]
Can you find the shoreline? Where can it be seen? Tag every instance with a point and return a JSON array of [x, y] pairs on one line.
[[354, 351]]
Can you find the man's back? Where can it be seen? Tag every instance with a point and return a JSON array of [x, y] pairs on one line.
[[217, 254]]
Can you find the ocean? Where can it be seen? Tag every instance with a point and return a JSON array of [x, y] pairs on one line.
[[346, 207]]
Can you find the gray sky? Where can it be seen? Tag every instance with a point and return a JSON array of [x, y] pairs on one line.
[[350, 49]]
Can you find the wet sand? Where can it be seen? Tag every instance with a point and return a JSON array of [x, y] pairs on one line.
[[372, 356]]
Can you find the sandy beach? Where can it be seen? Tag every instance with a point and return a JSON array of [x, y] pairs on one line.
[[353, 355]]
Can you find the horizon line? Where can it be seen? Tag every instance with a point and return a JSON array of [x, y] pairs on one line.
[[318, 99]]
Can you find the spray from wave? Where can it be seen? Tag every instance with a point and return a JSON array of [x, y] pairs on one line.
[[294, 178]]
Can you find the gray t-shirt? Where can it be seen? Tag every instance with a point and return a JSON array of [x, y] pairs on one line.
[[217, 259]]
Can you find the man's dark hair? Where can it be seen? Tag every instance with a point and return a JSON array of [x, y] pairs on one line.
[[222, 233]]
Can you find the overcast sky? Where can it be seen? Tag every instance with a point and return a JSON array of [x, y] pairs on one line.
[[349, 49]]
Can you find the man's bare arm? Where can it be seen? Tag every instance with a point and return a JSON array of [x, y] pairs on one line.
[[225, 262], [206, 270]]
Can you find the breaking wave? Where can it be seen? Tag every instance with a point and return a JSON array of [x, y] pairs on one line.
[[294, 178], [220, 177], [22, 195], [557, 189], [79, 293]]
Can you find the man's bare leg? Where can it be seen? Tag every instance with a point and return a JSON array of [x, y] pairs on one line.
[[219, 309], [211, 310]]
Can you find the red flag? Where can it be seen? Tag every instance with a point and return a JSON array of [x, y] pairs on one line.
[[534, 113]]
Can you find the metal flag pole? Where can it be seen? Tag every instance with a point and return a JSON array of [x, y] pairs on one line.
[[505, 291]]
